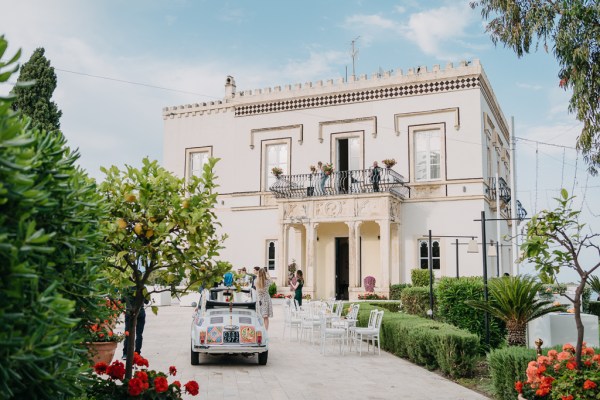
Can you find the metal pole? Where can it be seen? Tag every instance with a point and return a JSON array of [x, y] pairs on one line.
[[513, 200], [457, 271], [497, 259], [430, 256], [485, 277]]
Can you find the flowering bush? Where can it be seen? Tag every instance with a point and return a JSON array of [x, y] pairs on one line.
[[110, 383], [555, 376], [101, 330], [389, 162], [281, 296], [276, 171], [371, 296]]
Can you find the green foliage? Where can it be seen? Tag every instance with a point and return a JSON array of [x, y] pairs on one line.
[[415, 300], [507, 366], [572, 27], [513, 299], [450, 295], [585, 299], [396, 290], [50, 246], [433, 344], [272, 289], [594, 308], [393, 306], [160, 227], [594, 284], [419, 277], [34, 100]]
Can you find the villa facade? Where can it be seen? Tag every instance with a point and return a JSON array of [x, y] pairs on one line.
[[444, 128]]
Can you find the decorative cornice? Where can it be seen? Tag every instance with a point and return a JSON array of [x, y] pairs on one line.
[[455, 110], [300, 128], [348, 121]]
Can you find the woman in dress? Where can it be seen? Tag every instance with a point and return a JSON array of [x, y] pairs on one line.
[[297, 286], [265, 306]]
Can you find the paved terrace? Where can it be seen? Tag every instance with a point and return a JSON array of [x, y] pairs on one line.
[[295, 370]]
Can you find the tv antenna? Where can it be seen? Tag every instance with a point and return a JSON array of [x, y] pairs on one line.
[[354, 55]]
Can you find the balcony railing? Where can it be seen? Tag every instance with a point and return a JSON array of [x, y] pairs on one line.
[[502, 186], [340, 183], [521, 212]]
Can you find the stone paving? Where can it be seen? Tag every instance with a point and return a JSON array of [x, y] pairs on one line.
[[295, 370]]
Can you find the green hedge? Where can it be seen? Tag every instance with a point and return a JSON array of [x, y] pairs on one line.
[[393, 306], [450, 296], [507, 366], [432, 344], [594, 308], [419, 277], [415, 300], [396, 290]]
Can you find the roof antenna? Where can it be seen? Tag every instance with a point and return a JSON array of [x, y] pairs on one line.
[[354, 55]]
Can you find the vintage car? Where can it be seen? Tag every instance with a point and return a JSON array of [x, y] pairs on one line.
[[226, 322]]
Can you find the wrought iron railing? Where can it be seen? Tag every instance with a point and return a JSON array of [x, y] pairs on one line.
[[340, 183], [502, 186], [521, 212]]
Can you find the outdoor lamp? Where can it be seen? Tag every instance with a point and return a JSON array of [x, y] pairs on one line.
[[472, 247], [492, 250]]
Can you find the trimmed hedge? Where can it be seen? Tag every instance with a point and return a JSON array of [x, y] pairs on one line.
[[507, 366], [432, 344], [415, 300], [450, 296], [419, 277], [393, 306], [594, 308], [396, 290]]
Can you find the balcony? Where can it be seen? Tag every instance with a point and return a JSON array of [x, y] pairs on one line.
[[339, 183], [504, 190], [521, 212]]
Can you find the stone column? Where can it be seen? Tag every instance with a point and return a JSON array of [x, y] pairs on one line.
[[311, 254], [285, 232], [356, 278], [384, 253], [352, 245]]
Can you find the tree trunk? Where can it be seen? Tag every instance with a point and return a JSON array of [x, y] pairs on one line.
[[516, 333], [578, 323], [138, 303]]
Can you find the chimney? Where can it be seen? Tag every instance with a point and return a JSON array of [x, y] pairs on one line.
[[229, 87]]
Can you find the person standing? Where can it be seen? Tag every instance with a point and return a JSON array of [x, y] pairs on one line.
[[265, 306], [139, 326], [297, 286], [324, 177], [375, 176]]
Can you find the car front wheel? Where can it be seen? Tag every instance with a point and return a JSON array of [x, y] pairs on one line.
[[262, 358]]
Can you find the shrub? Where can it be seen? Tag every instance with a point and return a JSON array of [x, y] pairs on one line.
[[594, 308], [425, 342], [371, 296], [272, 289], [507, 366], [396, 290], [415, 300], [393, 306], [419, 277], [369, 283], [450, 296]]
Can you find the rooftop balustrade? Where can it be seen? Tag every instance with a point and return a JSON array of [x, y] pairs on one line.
[[340, 183]]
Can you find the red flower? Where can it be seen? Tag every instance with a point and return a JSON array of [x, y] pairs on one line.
[[587, 385], [101, 368], [172, 370], [126, 333], [587, 363], [519, 387], [192, 387], [569, 347], [135, 387], [161, 384], [571, 365], [569, 397], [139, 360], [116, 370], [177, 383]]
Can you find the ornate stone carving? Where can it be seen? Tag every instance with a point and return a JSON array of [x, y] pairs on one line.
[[295, 211], [395, 211], [370, 208], [334, 208]]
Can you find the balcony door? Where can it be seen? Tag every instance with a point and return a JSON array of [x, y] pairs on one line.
[[348, 150]]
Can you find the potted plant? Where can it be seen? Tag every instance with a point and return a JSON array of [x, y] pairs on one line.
[[277, 171], [109, 382], [328, 168], [389, 162], [313, 169], [101, 338]]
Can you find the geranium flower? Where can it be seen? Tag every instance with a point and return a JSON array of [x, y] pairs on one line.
[[172, 370], [101, 368], [569, 347], [519, 386], [161, 384], [571, 365], [587, 385], [135, 387], [552, 354], [564, 355], [177, 383], [569, 397], [139, 360], [192, 387], [116, 370]]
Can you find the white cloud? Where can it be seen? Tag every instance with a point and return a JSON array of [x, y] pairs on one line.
[[370, 21], [529, 86], [400, 9]]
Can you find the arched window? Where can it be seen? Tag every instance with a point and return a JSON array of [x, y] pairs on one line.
[[271, 254], [424, 254]]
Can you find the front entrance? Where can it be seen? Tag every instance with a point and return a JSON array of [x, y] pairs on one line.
[[342, 268]]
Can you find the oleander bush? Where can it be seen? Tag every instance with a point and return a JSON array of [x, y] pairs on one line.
[[450, 296], [415, 300], [432, 344], [419, 277], [396, 290]]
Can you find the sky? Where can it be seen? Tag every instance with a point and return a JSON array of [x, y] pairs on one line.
[[118, 63]]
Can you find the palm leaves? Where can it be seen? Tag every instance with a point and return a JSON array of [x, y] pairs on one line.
[[594, 282], [513, 300]]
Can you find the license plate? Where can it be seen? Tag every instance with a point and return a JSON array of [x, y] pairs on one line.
[[231, 337]]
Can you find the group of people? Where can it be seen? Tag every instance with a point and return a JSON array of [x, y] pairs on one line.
[[374, 176]]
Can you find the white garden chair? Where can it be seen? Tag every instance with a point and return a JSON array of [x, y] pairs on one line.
[[369, 333], [291, 320], [333, 334]]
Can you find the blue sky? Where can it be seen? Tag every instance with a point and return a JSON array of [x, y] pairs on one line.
[[191, 46]]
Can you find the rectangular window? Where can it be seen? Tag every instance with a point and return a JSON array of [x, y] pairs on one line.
[[195, 159], [424, 253], [428, 155], [271, 252], [276, 155]]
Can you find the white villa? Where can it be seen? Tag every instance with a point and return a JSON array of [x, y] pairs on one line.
[[443, 126]]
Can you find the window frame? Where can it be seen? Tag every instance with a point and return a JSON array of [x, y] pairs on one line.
[[188, 158], [415, 130], [268, 243], [265, 170], [420, 259]]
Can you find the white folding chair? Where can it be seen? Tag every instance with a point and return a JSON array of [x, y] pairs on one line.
[[330, 333], [369, 333], [291, 321]]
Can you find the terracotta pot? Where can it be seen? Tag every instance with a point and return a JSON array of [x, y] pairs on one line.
[[519, 397], [101, 351]]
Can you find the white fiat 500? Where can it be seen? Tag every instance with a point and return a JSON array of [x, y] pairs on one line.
[[226, 322]]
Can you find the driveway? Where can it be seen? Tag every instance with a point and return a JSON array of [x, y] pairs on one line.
[[295, 370]]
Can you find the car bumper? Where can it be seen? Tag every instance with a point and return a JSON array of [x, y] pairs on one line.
[[230, 349]]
